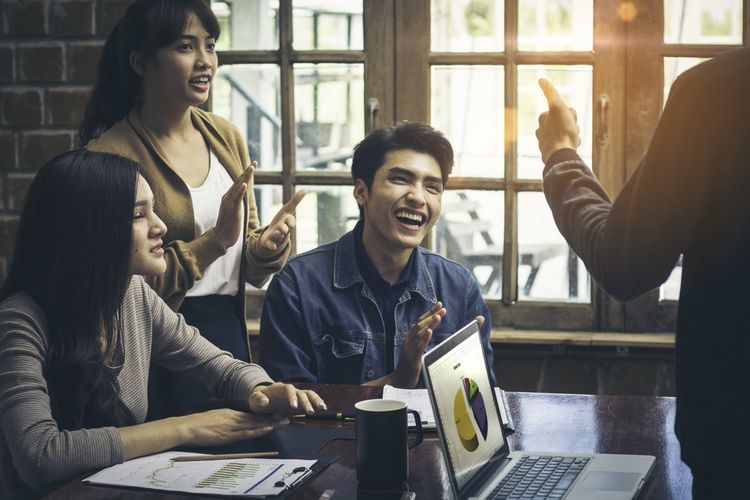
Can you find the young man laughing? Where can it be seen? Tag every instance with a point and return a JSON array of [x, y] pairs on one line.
[[363, 309]]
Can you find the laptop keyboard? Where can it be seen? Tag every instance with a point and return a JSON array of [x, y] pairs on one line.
[[539, 477]]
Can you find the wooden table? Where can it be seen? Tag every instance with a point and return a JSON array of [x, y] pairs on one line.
[[544, 422]]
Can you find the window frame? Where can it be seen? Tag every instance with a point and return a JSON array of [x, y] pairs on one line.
[[377, 59], [509, 312], [645, 62], [397, 61]]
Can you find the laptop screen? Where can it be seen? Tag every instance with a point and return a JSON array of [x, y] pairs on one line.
[[464, 402]]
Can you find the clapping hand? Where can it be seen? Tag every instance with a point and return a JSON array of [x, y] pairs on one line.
[[278, 230], [407, 372], [230, 221]]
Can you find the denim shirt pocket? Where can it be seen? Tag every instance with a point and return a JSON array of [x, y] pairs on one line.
[[340, 355]]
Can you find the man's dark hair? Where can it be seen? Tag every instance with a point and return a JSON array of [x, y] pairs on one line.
[[369, 155]]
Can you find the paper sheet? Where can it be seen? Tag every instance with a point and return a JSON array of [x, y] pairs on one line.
[[419, 400], [250, 477]]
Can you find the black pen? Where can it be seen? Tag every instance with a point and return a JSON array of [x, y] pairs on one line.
[[326, 416]]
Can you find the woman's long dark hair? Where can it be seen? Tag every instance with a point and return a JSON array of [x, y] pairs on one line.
[[72, 256], [147, 26]]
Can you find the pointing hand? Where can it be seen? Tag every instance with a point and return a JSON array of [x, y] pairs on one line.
[[558, 128]]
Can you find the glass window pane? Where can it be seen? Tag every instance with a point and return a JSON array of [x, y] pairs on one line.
[[327, 25], [247, 25], [468, 104], [575, 86], [670, 289], [470, 231], [702, 21], [467, 25], [329, 114], [269, 200], [547, 268], [555, 25], [325, 214], [248, 96], [674, 67]]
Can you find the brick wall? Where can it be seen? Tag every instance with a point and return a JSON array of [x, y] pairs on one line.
[[48, 55]]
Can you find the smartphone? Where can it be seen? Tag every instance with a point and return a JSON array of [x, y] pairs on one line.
[[349, 494]]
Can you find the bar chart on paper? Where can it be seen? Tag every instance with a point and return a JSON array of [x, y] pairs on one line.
[[230, 476], [247, 476]]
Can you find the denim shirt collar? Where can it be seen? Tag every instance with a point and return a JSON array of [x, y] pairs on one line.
[[346, 272]]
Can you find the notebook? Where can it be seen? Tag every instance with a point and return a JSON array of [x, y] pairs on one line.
[[479, 461]]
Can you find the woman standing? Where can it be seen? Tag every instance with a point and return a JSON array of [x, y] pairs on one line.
[[157, 66], [79, 328]]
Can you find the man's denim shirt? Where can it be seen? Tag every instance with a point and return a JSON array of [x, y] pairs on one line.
[[320, 322]]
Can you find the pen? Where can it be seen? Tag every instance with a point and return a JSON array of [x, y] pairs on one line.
[[327, 416], [228, 456]]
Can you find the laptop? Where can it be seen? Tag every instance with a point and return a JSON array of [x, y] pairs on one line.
[[479, 461]]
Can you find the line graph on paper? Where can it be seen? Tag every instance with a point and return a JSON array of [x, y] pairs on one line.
[[153, 477]]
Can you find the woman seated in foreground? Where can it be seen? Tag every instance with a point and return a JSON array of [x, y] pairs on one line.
[[79, 329]]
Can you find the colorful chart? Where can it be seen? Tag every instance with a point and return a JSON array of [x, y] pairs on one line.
[[467, 432]]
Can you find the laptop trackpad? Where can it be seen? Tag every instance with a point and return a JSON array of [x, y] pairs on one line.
[[609, 481]]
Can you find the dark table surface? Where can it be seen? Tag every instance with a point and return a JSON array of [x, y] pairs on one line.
[[543, 422]]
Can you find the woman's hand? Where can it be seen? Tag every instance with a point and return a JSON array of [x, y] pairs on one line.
[[231, 217], [216, 427], [285, 399], [208, 428], [278, 230]]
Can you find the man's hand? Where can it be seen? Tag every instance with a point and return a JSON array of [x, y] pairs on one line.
[[558, 128], [230, 221], [285, 399], [278, 230], [480, 321], [406, 373]]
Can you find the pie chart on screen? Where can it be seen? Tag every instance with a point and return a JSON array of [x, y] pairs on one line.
[[469, 403]]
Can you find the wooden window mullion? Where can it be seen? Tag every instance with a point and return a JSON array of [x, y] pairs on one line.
[[288, 146], [412, 47], [643, 89], [510, 239], [609, 132]]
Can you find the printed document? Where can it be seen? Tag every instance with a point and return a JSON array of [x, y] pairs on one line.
[[250, 477]]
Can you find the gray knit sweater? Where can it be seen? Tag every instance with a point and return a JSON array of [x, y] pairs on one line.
[[34, 453]]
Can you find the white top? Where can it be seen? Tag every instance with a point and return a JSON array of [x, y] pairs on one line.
[[223, 275]]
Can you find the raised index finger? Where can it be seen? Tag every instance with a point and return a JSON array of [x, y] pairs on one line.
[[550, 92], [291, 205]]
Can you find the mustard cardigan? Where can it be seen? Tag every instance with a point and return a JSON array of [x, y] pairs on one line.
[[188, 254]]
